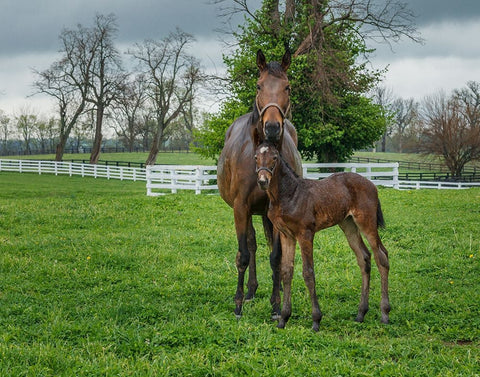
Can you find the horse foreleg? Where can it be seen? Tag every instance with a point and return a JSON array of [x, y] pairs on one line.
[[252, 283], [286, 272], [306, 246], [242, 260]]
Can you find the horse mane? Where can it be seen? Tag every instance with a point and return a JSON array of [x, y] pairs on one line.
[[275, 69]]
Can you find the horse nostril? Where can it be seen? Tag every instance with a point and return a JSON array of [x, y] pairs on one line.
[[272, 130], [262, 182]]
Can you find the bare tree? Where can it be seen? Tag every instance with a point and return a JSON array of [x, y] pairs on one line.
[[172, 75], [451, 129], [383, 97], [405, 118], [26, 124], [106, 74], [67, 81], [4, 130], [128, 107]]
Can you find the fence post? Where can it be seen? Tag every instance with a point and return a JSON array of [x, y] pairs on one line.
[[198, 180], [395, 176], [174, 181]]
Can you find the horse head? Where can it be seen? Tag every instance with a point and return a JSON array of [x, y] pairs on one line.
[[272, 102], [266, 159]]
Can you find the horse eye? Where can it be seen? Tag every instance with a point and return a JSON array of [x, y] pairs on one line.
[[258, 87], [287, 88], [275, 158], [255, 157]]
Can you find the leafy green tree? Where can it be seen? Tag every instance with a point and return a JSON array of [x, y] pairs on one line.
[[328, 75]]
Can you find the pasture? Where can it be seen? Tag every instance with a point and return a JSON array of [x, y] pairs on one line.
[[97, 279]]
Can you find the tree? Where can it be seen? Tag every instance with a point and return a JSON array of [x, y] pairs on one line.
[[405, 119], [383, 97], [171, 76], [4, 131], [67, 80], [327, 76], [88, 72], [26, 123], [452, 127], [106, 75], [128, 108]]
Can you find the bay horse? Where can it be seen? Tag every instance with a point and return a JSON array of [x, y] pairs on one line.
[[236, 179], [301, 207]]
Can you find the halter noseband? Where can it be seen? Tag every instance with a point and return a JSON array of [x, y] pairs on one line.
[[257, 170], [271, 104]]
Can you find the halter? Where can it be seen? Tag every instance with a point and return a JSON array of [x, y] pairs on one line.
[[257, 170], [271, 104]]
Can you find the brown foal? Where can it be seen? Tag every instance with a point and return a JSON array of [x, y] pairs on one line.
[[301, 207]]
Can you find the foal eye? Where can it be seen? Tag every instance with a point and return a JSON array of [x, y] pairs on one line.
[[287, 88]]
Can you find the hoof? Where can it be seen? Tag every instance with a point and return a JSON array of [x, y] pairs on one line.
[[238, 317], [315, 326]]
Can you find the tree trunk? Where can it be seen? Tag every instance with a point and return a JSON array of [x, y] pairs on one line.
[[60, 149], [97, 143], [152, 156]]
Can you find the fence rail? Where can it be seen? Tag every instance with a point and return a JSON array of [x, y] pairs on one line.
[[161, 178], [73, 168]]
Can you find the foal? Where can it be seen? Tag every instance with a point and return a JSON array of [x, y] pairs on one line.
[[301, 207]]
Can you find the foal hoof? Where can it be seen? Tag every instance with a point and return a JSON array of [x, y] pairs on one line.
[[281, 323], [316, 326]]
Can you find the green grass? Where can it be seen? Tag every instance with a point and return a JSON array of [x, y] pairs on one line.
[[97, 279]]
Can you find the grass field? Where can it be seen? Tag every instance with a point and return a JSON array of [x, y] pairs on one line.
[[97, 279]]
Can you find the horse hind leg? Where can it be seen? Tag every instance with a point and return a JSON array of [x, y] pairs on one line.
[[381, 259], [364, 262]]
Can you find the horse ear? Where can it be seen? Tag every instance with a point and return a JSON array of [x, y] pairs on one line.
[[261, 61], [287, 59]]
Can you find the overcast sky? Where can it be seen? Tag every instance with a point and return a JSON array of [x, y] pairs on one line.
[[29, 31]]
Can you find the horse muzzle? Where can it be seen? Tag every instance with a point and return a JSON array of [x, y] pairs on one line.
[[263, 178], [273, 131]]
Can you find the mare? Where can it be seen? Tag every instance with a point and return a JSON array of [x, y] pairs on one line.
[[301, 207], [237, 182]]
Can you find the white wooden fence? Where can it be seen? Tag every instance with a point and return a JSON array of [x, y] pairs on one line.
[[198, 178], [73, 168], [161, 178]]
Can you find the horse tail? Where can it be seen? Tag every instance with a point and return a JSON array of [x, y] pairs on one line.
[[380, 219]]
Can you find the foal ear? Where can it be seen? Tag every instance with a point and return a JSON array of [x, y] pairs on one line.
[[287, 59], [261, 61]]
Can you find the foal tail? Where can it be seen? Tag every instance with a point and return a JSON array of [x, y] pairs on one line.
[[380, 219]]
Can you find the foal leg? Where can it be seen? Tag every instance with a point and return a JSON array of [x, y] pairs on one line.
[[381, 259], [364, 262], [286, 272], [275, 261], [306, 245]]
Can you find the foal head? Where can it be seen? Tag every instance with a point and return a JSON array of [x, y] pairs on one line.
[[273, 97], [266, 159]]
